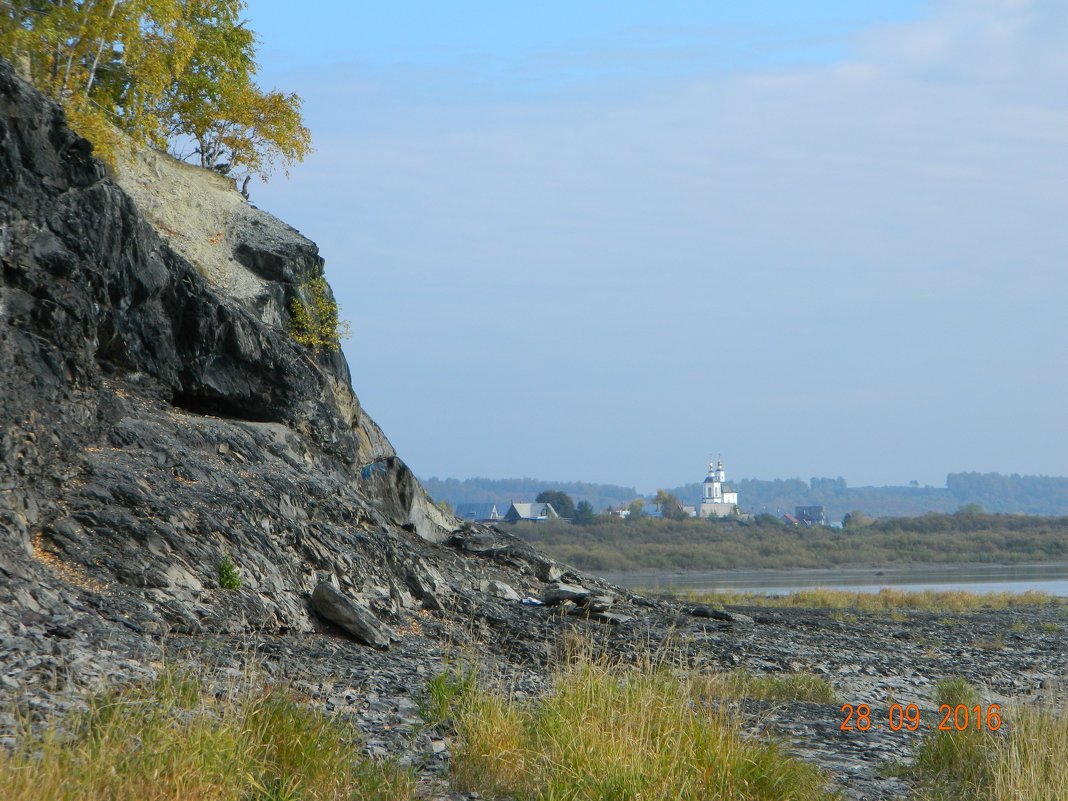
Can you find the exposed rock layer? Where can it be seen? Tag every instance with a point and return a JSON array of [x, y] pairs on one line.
[[152, 424]]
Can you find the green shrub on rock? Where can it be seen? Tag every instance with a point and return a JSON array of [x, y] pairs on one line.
[[229, 577], [315, 324]]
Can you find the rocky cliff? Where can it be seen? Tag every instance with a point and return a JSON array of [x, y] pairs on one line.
[[157, 421]]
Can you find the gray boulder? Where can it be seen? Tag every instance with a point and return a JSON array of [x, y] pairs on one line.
[[598, 603], [498, 589], [547, 570], [735, 618], [352, 616], [427, 584], [558, 592]]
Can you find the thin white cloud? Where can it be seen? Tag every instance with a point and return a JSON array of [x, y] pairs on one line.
[[997, 44]]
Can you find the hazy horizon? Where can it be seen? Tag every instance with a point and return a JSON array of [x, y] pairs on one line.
[[610, 240], [730, 477]]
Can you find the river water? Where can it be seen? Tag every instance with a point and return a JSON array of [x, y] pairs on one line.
[[1047, 577]]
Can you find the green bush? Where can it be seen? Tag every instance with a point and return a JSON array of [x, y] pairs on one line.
[[229, 577]]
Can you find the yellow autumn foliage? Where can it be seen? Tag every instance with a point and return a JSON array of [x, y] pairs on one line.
[[174, 74]]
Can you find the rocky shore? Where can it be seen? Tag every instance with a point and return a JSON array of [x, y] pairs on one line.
[[1013, 656]]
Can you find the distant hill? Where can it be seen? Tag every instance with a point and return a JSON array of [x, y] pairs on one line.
[[503, 491], [1007, 494], [1032, 495]]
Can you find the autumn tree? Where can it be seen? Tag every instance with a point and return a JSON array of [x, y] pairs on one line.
[[107, 61], [162, 72], [669, 506], [214, 102]]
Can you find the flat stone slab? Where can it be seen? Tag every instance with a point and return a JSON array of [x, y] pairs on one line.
[[352, 616], [598, 603], [558, 592], [612, 618], [498, 589], [721, 614]]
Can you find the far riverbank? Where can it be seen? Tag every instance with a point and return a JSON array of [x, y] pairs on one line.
[[1045, 577], [614, 546]]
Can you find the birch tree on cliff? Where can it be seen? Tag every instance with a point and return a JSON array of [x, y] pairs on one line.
[[177, 75]]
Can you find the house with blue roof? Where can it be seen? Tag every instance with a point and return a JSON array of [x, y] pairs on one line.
[[478, 512]]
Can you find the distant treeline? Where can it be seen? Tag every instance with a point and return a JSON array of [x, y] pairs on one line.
[[1008, 494], [1032, 495], [612, 544]]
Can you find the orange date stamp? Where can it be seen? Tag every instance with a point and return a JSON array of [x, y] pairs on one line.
[[909, 718]]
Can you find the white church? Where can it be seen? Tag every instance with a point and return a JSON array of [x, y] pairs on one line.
[[718, 499]]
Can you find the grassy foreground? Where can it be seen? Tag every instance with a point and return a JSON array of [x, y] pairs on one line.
[[170, 741], [615, 733], [604, 732]]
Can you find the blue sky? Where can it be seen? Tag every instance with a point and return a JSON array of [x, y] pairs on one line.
[[598, 241]]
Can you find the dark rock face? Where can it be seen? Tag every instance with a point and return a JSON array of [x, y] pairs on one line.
[[152, 429], [150, 425]]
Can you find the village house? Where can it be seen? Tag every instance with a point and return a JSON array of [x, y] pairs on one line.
[[810, 515], [534, 512], [479, 512]]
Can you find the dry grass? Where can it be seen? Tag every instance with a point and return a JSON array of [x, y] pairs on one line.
[[884, 600], [614, 733], [1032, 766], [773, 687], [169, 741], [1024, 761]]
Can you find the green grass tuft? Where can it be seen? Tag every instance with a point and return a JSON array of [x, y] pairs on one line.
[[771, 687], [616, 733], [1024, 761], [956, 765], [442, 692]]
